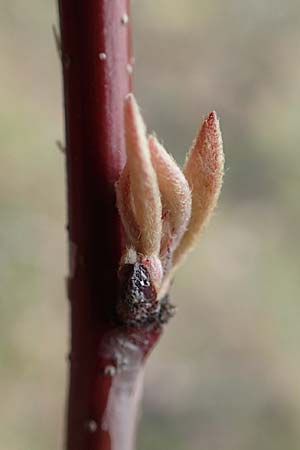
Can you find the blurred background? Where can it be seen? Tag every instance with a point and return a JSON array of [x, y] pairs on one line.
[[226, 373]]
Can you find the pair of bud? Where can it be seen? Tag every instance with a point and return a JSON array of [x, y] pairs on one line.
[[163, 210]]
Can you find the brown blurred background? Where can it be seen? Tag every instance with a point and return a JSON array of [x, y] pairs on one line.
[[226, 375]]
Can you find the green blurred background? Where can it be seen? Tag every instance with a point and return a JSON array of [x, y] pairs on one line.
[[226, 375]]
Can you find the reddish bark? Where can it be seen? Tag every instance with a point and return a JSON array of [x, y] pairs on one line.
[[105, 359]]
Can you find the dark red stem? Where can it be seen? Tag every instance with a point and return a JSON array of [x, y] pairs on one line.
[[105, 359]]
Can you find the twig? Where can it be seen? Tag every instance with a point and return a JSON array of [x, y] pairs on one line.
[[106, 359]]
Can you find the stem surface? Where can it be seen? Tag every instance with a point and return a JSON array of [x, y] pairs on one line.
[[106, 360]]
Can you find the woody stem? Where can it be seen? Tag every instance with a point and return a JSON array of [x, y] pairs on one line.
[[106, 360]]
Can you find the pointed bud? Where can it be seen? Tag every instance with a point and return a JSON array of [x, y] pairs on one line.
[[143, 181], [175, 195], [204, 172]]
